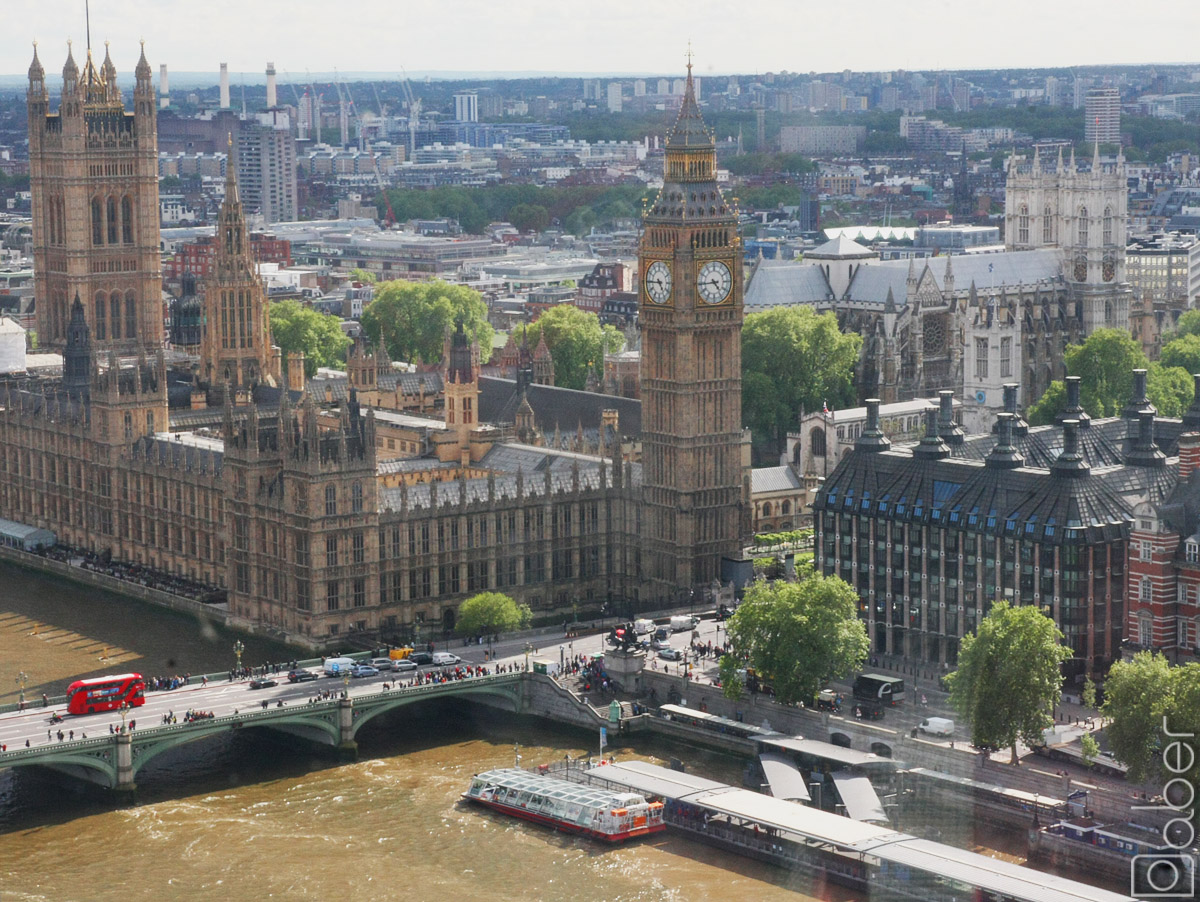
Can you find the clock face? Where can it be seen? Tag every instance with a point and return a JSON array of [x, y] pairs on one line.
[[1109, 269], [658, 282], [1080, 268], [714, 282]]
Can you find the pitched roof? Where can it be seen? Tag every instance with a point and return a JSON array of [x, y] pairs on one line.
[[774, 479], [777, 283], [553, 406], [840, 247]]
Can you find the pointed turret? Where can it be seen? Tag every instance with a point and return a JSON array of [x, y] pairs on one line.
[[70, 72], [689, 130], [77, 356], [108, 72], [37, 75]]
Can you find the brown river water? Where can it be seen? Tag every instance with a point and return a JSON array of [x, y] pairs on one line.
[[263, 816]]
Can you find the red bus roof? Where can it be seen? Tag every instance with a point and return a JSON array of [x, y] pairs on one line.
[[116, 677]]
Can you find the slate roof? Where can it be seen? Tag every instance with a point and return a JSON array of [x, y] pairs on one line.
[[774, 479], [421, 496], [1031, 503], [1102, 442], [781, 283], [840, 247], [409, 383], [778, 283], [562, 407]]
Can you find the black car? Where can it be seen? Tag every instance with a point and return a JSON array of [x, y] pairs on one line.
[[299, 676], [420, 658], [263, 684]]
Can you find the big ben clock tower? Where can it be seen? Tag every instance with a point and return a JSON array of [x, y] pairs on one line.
[[691, 372]]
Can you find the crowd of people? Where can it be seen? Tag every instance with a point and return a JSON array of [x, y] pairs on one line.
[[135, 573]]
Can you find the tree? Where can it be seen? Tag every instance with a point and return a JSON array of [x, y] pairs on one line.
[[794, 360], [1043, 411], [1008, 678], [295, 327], [1138, 695], [362, 275], [576, 342], [491, 612], [1183, 350], [1188, 324], [414, 317], [529, 217], [1169, 389], [799, 635], [1105, 363]]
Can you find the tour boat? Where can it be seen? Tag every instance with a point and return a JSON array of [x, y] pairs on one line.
[[598, 813]]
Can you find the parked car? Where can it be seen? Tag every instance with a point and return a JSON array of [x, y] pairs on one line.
[[363, 670], [263, 684], [382, 664], [301, 676], [421, 658], [670, 654], [404, 665]]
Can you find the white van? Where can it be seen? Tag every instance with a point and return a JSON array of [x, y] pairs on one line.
[[445, 659], [335, 667], [642, 627], [937, 726], [683, 622]]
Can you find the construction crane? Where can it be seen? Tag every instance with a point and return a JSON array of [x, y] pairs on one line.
[[414, 113], [366, 146]]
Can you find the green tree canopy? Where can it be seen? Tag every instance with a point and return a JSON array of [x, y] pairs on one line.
[[1105, 363], [295, 327], [1145, 698], [576, 342], [529, 217], [799, 635], [1008, 678], [414, 317], [491, 612], [1183, 350], [1188, 324], [794, 360], [1169, 388], [361, 275]]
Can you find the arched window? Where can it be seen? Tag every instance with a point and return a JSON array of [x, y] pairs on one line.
[[1108, 226], [785, 508], [1023, 224], [356, 498], [330, 501], [1083, 227], [101, 332], [97, 223], [131, 329], [1047, 226], [126, 220], [766, 510], [1146, 589], [112, 220], [114, 306], [1145, 629], [817, 442]]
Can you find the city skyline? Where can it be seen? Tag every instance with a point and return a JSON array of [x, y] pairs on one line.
[[473, 37]]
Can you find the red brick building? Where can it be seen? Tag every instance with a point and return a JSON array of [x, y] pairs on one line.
[[1163, 581], [602, 283], [197, 257]]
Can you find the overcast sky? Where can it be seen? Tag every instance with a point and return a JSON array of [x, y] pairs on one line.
[[602, 36]]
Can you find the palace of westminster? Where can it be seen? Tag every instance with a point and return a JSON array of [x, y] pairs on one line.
[[289, 501]]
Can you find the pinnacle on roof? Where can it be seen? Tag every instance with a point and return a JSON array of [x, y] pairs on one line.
[[107, 69], [231, 187], [35, 68], [689, 130], [143, 65], [70, 69]]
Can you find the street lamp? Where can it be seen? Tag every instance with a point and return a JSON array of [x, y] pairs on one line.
[[124, 710], [529, 649], [22, 679], [238, 648]]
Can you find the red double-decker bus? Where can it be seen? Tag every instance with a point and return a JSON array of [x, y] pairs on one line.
[[106, 693]]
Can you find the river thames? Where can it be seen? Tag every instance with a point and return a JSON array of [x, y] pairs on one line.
[[263, 816]]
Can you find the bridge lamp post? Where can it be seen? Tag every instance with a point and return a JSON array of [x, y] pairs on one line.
[[124, 711], [22, 679], [529, 649], [346, 683], [238, 648]]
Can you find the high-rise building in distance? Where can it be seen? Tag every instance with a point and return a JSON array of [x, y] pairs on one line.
[[1102, 116]]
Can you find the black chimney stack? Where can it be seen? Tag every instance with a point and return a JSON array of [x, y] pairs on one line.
[[1143, 452], [1004, 456], [932, 447], [872, 438], [948, 429], [1070, 462]]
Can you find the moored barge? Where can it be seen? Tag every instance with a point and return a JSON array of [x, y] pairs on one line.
[[603, 814]]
